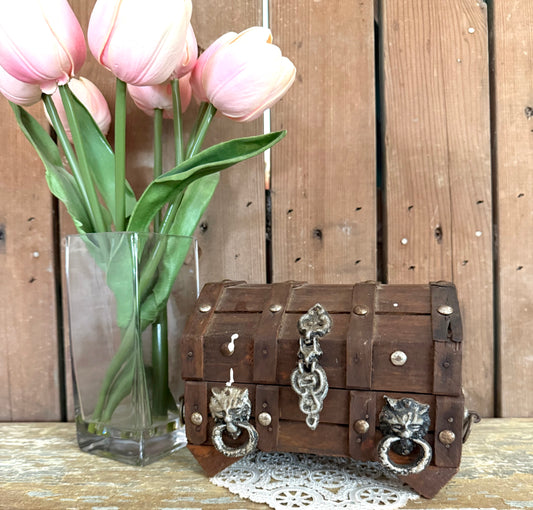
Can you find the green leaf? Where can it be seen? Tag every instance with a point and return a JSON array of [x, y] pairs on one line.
[[214, 159], [101, 158], [61, 183], [193, 205]]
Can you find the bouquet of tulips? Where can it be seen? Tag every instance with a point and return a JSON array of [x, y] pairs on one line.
[[150, 48]]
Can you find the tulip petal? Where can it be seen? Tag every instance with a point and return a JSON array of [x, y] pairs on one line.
[[159, 97], [18, 92], [197, 75], [41, 41], [137, 42]]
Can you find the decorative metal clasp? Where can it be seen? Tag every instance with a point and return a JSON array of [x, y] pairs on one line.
[[404, 423], [309, 379], [231, 408]]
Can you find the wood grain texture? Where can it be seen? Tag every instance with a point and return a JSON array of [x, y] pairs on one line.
[[29, 387], [43, 468], [513, 151], [323, 176], [232, 231], [437, 155]]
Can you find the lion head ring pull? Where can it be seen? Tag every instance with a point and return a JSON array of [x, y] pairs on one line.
[[231, 408], [309, 379], [404, 423]]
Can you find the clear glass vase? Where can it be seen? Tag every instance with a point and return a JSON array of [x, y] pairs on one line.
[[129, 295]]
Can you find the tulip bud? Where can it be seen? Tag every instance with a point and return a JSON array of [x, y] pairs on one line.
[[243, 74], [90, 96], [189, 56], [159, 97], [138, 41], [18, 92], [41, 42]]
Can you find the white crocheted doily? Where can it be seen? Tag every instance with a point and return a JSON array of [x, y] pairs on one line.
[[294, 481]]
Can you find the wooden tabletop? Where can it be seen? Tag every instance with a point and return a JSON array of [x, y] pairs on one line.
[[41, 467]]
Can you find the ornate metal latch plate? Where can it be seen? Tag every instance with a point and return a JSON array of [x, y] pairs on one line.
[[309, 379]]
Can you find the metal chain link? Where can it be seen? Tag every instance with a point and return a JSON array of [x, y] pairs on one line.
[[309, 379]]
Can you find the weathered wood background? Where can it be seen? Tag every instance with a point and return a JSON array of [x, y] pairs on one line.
[[409, 158]]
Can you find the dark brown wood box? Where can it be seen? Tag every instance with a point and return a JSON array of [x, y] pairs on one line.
[[370, 322]]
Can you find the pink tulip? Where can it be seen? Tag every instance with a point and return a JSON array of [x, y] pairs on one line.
[[138, 41], [41, 41], [243, 74], [18, 92], [90, 96], [154, 97], [189, 56]]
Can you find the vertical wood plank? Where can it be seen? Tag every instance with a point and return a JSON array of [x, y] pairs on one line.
[[232, 232], [513, 148], [437, 156], [323, 174], [29, 387]]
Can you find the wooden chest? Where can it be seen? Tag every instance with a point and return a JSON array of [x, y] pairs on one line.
[[367, 371]]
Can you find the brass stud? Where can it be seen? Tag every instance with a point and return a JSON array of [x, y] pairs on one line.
[[264, 419], [205, 308], [446, 437], [361, 426], [196, 418], [398, 358], [360, 310], [445, 309], [275, 308]]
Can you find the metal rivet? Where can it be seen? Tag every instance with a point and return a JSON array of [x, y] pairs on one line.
[[361, 426], [205, 308], [275, 308], [360, 310], [395, 305], [398, 358], [446, 437], [445, 309], [264, 419], [196, 418]]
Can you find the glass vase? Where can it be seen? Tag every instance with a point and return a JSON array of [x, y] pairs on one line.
[[129, 295]]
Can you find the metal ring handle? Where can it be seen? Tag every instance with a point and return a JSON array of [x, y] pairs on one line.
[[418, 466], [238, 451]]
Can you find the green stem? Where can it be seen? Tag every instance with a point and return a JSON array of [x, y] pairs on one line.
[[195, 143], [67, 149], [160, 327], [120, 155], [198, 121], [120, 359], [160, 365], [178, 122], [158, 155], [83, 169]]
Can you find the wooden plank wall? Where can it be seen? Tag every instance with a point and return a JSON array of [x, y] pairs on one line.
[[387, 172], [512, 107], [436, 132]]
